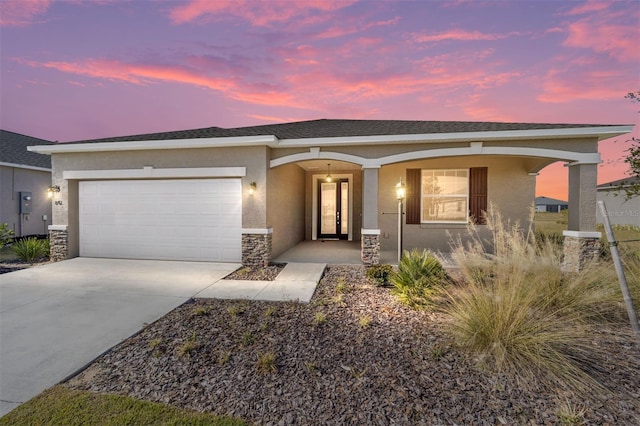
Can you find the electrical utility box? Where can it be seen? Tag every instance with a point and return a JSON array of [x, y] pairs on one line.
[[25, 202]]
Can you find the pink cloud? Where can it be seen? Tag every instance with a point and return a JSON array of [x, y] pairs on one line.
[[458, 35], [353, 28], [618, 41], [564, 86], [258, 13], [588, 7], [19, 13]]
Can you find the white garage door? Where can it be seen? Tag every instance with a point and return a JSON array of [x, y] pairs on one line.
[[178, 219]]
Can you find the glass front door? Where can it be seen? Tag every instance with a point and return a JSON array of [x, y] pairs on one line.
[[333, 209]]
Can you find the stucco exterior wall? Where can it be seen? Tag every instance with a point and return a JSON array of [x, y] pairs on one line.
[[65, 210], [14, 180], [620, 211], [285, 206], [510, 189]]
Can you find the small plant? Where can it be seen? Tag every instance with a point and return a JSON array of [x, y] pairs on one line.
[[6, 234], [357, 374], [365, 321], [31, 249], [341, 286], [418, 279], [310, 366], [569, 414], [248, 338], [437, 353], [266, 363], [188, 347], [320, 318], [264, 326], [379, 274], [224, 357], [235, 310], [269, 311], [200, 310], [154, 343]]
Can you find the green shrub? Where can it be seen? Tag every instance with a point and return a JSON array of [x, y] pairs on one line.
[[418, 279], [518, 312], [6, 234], [379, 274], [31, 249]]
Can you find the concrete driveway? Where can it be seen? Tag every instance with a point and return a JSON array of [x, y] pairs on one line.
[[56, 318]]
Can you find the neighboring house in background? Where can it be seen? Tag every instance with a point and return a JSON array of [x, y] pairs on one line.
[[620, 210], [550, 205], [24, 175], [248, 194]]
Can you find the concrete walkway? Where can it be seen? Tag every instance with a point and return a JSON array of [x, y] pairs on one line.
[[297, 281], [56, 318]]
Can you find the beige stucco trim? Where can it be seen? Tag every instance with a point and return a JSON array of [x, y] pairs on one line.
[[153, 173], [582, 234], [474, 148], [370, 231], [600, 132], [269, 140], [58, 227], [260, 231]]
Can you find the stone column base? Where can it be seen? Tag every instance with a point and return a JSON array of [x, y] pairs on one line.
[[370, 247], [579, 249], [58, 243], [256, 247]]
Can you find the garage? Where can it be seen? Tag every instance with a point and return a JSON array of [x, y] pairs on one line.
[[172, 219]]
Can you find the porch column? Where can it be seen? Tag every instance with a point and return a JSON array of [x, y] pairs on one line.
[[581, 241], [370, 242]]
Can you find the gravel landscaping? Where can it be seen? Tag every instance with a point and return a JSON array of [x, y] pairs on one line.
[[354, 355]]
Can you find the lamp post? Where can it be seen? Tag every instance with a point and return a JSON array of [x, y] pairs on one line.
[[400, 194]]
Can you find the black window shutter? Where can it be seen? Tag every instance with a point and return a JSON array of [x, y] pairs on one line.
[[478, 194], [414, 176]]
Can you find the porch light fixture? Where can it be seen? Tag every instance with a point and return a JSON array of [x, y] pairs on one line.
[[52, 190], [400, 190], [252, 188], [328, 178], [400, 194]]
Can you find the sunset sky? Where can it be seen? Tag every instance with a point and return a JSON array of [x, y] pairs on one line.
[[87, 69]]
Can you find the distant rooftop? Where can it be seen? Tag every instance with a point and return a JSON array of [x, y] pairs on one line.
[[631, 180], [546, 201], [13, 150]]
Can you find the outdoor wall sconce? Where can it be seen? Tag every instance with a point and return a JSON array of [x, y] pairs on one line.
[[252, 188], [328, 178], [52, 190]]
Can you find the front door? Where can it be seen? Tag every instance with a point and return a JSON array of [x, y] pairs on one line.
[[333, 209]]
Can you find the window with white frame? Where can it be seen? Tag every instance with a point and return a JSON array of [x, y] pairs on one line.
[[445, 195]]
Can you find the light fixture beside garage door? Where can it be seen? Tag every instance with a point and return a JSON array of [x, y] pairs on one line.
[[252, 188], [52, 190]]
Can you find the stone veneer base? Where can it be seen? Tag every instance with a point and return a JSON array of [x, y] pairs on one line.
[[578, 252], [58, 245], [370, 249], [256, 249]]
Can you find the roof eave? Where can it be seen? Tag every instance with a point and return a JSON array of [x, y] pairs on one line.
[[601, 132]]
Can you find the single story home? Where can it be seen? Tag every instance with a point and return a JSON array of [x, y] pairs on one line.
[[25, 177], [551, 205], [621, 211], [248, 194]]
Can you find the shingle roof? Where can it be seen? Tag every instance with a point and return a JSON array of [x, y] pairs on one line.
[[13, 149], [546, 201], [620, 182], [327, 128]]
